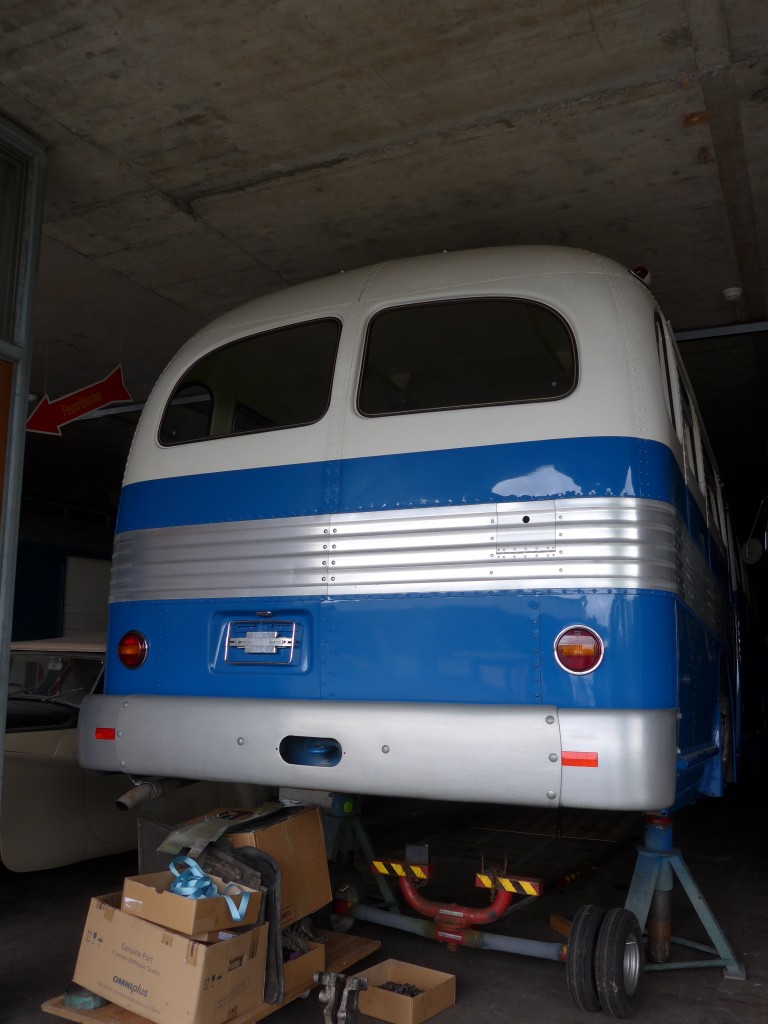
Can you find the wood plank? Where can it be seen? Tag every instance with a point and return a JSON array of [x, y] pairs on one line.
[[343, 950]]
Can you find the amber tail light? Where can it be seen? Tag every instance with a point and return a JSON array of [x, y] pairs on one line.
[[132, 649], [578, 650]]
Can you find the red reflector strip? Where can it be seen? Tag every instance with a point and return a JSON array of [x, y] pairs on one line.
[[580, 758], [104, 734]]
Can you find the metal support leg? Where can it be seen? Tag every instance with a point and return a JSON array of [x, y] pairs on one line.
[[657, 862], [345, 833]]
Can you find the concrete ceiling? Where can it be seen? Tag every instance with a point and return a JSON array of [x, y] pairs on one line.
[[202, 153]]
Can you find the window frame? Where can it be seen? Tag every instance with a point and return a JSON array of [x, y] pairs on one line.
[[466, 300], [194, 375]]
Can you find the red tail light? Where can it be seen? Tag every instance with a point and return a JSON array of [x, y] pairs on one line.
[[132, 649], [578, 650]]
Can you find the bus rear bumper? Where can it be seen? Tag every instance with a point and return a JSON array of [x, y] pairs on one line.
[[519, 755]]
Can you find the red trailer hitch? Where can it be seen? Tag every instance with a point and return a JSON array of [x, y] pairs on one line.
[[452, 920], [454, 924]]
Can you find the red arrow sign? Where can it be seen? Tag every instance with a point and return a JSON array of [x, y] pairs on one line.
[[48, 417]]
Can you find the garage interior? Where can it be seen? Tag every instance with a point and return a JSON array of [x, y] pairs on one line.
[[200, 155]]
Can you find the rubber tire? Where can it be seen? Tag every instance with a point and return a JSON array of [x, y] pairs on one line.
[[619, 962], [580, 957]]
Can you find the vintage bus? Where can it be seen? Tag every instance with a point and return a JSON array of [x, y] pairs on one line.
[[444, 527]]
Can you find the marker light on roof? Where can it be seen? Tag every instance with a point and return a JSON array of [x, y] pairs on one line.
[[132, 649], [578, 650]]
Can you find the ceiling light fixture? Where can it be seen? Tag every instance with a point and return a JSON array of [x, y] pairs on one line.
[[734, 296]]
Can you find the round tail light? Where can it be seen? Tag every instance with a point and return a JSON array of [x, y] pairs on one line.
[[578, 650], [132, 649]]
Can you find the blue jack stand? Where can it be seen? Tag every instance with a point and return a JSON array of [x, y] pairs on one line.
[[649, 900], [345, 833]]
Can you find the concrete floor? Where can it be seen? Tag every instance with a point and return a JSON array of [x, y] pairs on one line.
[[582, 859]]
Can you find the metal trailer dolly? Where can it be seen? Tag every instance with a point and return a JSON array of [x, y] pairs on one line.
[[605, 952]]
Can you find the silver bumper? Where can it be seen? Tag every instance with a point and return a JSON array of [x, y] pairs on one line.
[[489, 753]]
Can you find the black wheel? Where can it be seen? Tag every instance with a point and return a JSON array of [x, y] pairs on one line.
[[348, 884], [580, 957], [619, 962]]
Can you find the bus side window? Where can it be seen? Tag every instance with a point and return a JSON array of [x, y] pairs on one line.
[[666, 373], [693, 468], [714, 509]]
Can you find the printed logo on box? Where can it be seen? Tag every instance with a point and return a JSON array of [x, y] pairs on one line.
[[131, 986]]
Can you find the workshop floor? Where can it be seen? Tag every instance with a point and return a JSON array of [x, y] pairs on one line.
[[580, 857]]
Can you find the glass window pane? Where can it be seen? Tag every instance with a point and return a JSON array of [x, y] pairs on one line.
[[268, 381], [188, 416], [61, 676], [447, 355], [689, 440], [661, 344], [11, 212]]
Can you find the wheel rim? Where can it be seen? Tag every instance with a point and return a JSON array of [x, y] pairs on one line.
[[633, 966]]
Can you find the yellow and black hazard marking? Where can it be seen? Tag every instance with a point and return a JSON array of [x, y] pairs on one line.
[[400, 870], [520, 886]]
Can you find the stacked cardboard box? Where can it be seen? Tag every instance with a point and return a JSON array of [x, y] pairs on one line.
[[174, 960], [296, 840], [151, 897], [164, 975]]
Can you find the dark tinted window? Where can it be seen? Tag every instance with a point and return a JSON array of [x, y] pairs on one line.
[[12, 174], [661, 344], [445, 355], [188, 417], [268, 381], [689, 438]]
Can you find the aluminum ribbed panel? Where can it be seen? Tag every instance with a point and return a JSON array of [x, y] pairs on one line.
[[620, 543], [278, 557]]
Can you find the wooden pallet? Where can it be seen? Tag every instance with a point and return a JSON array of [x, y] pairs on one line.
[[341, 951]]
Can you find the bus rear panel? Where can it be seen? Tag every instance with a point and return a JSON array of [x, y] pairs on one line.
[[448, 527]]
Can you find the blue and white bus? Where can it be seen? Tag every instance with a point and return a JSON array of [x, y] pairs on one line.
[[445, 527]]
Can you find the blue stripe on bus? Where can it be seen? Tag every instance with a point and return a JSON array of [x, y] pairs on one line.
[[527, 470], [471, 648]]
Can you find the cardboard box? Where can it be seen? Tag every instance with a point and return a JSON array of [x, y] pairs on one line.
[[298, 974], [149, 897], [296, 840], [167, 977], [438, 992]]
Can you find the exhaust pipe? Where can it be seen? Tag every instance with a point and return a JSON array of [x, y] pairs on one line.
[[149, 789]]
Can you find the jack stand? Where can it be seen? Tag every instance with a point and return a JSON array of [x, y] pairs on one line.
[[649, 900], [339, 994], [345, 833]]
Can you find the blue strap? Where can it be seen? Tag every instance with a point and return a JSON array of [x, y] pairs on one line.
[[195, 884]]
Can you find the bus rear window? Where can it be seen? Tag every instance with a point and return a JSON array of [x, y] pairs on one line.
[[268, 381], [475, 352]]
